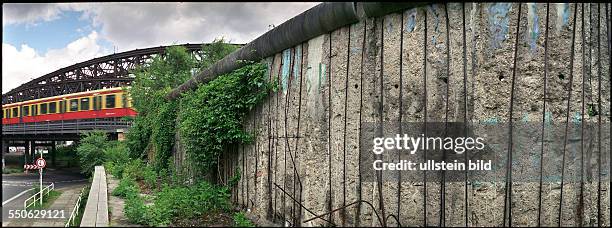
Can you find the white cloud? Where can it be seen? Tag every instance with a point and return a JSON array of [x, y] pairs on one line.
[[20, 65], [141, 25], [128, 26], [29, 13]]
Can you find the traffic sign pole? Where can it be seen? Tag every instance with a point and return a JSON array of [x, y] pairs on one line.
[[41, 194], [40, 164]]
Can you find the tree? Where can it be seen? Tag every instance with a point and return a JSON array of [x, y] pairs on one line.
[[91, 151]]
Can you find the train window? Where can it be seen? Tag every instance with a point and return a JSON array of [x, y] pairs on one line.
[[74, 105], [84, 104], [97, 102], [124, 100], [25, 110], [110, 101], [53, 107], [15, 112], [62, 107], [43, 108], [34, 109]]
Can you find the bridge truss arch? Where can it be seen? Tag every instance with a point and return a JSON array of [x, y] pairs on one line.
[[98, 73]]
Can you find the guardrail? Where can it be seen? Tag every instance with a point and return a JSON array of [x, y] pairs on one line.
[[70, 126], [75, 210], [45, 191], [96, 209]]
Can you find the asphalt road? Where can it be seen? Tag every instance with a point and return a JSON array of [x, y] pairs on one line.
[[14, 185]]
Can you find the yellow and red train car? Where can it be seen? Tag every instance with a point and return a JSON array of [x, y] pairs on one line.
[[103, 103]]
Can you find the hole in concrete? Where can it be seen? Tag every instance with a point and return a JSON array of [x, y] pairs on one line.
[[445, 80], [396, 86], [561, 76], [356, 86], [501, 77], [534, 107]]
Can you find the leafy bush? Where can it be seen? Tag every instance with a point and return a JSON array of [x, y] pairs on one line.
[[240, 220], [116, 152], [134, 169], [91, 151], [138, 137], [135, 210], [150, 177], [186, 202], [126, 188], [116, 158]]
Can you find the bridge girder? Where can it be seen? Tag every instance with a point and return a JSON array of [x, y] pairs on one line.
[[103, 72]]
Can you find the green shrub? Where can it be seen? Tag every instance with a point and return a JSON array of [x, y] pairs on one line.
[[126, 188], [116, 158], [138, 137], [135, 210], [186, 202], [150, 177], [240, 220], [134, 169], [91, 151], [116, 152]]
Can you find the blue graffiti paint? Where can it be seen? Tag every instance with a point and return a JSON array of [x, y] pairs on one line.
[[491, 121], [269, 67], [498, 22], [285, 69], [321, 76], [577, 118], [533, 25], [436, 22], [297, 64], [389, 26], [548, 117], [563, 14], [525, 117], [411, 22]]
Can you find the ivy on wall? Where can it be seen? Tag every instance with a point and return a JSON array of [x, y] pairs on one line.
[[211, 117], [207, 119]]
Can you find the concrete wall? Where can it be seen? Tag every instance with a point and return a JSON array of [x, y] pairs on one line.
[[307, 146]]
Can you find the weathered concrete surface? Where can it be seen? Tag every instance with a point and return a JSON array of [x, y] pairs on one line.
[[373, 72], [96, 209]]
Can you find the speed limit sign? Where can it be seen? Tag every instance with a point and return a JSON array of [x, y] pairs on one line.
[[41, 163]]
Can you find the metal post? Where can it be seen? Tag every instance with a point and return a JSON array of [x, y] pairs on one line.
[[41, 188]]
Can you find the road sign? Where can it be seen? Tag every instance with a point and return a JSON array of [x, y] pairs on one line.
[[41, 163], [30, 167]]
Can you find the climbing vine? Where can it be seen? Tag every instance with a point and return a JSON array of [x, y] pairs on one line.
[[211, 117], [164, 133], [205, 120]]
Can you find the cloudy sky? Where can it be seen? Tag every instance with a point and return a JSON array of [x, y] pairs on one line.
[[40, 38]]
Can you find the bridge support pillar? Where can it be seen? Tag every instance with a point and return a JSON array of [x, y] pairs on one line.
[[26, 152], [32, 151], [120, 136], [53, 154]]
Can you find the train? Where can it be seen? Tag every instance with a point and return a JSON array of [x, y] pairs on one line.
[[102, 103]]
